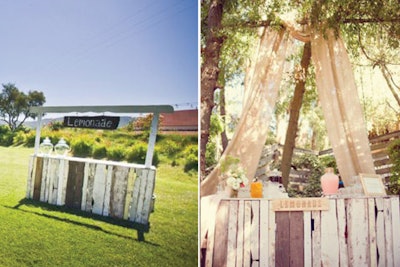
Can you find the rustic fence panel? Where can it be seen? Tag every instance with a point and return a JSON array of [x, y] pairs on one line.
[[361, 231]]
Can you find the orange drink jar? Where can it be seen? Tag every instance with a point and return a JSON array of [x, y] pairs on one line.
[[256, 189]]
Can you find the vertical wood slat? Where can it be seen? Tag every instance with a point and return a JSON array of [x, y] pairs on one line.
[[372, 232], [357, 232], [221, 235], [282, 239], [232, 233], [128, 199], [255, 232], [53, 192], [387, 215], [91, 171], [38, 178], [30, 179], [342, 228], [395, 210], [107, 190], [316, 239], [73, 197], [329, 236], [296, 229], [264, 233], [380, 233], [247, 234], [307, 238], [118, 191], [99, 185], [240, 226], [271, 235], [44, 184]]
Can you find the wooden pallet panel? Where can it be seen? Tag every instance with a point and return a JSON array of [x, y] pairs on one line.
[[73, 197]]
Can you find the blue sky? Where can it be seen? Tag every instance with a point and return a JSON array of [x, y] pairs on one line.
[[102, 52]]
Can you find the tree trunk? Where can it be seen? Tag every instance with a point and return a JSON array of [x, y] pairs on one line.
[[294, 114], [391, 84], [224, 137], [209, 74]]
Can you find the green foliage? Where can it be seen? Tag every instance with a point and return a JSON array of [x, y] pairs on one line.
[[190, 155], [82, 147], [170, 148], [15, 105], [137, 154], [56, 125], [394, 155], [116, 153], [99, 152], [211, 154]]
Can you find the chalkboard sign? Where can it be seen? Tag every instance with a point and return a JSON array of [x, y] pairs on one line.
[[96, 122], [372, 184]]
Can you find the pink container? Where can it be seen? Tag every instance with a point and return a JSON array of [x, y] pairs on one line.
[[329, 182]]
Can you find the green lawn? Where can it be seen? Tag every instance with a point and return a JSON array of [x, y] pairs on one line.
[[33, 234]]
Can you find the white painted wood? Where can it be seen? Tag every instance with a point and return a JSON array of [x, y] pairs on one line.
[[99, 188], [38, 129], [247, 234], [85, 186], [90, 186], [44, 184], [30, 179], [148, 195], [119, 191], [128, 198], [395, 209], [307, 238], [329, 236], [135, 195], [387, 215], [240, 234], [271, 233], [140, 196], [358, 232], [55, 165], [380, 232], [64, 181], [107, 193], [316, 239], [372, 232], [232, 234], [264, 232], [342, 224], [255, 231], [152, 140]]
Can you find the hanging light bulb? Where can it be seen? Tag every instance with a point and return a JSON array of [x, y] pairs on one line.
[[62, 147], [46, 146]]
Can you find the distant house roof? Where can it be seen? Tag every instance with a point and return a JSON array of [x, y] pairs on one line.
[[180, 120]]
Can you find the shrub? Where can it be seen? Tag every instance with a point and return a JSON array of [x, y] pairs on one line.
[[190, 155], [394, 155], [137, 154], [81, 148], [170, 148], [99, 152], [116, 153]]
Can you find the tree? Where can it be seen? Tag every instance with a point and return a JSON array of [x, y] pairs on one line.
[[15, 105]]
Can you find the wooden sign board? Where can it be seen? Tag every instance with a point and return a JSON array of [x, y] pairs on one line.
[[93, 122], [372, 184], [300, 204]]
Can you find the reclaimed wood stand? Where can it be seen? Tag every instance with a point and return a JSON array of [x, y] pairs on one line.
[[118, 190], [359, 231]]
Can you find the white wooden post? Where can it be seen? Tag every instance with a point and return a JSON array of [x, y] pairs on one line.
[[152, 140], [38, 129]]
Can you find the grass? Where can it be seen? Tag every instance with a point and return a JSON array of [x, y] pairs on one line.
[[35, 234]]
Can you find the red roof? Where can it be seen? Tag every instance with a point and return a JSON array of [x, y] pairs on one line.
[[180, 120]]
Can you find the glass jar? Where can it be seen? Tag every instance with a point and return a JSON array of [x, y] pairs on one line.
[[46, 147]]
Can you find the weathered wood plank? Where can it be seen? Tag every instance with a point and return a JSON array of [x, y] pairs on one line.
[[380, 233], [232, 233], [85, 186], [387, 215], [73, 196], [247, 234], [91, 171], [396, 230], [118, 191], [372, 233], [342, 232], [316, 239], [358, 232], [329, 236], [45, 183], [271, 234], [128, 199], [221, 234], [30, 178], [307, 238], [240, 234], [54, 168], [282, 239], [99, 186], [255, 231], [264, 233], [296, 244], [38, 179], [107, 191]]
